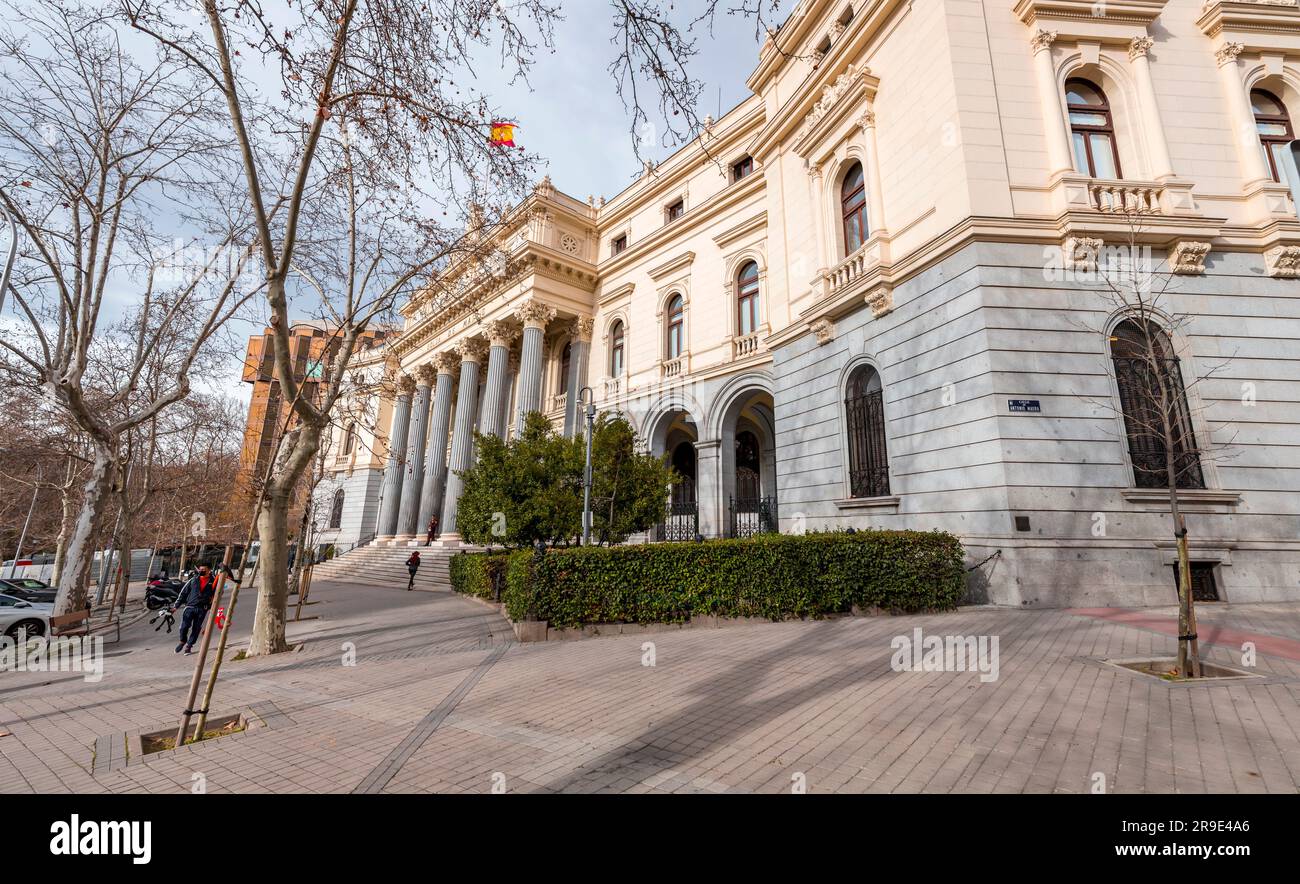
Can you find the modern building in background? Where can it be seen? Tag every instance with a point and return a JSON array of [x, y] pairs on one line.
[[869, 296]]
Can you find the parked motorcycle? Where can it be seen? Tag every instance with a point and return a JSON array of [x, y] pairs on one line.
[[162, 593]]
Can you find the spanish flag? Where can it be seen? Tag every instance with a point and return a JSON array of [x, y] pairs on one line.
[[503, 134]]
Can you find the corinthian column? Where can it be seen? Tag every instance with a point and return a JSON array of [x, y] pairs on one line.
[[579, 353], [435, 458], [1049, 97], [497, 391], [1240, 117], [535, 316], [412, 483], [393, 473], [875, 195], [1162, 166], [471, 352]]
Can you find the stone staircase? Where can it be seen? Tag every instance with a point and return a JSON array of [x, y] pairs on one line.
[[386, 566]]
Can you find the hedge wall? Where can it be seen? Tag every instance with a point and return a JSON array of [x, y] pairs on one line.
[[774, 576]]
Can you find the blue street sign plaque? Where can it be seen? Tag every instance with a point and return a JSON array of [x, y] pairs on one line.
[[1024, 406]]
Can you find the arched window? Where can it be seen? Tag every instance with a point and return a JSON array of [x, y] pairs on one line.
[[1274, 127], [676, 326], [566, 360], [1092, 130], [747, 299], [853, 209], [1150, 382], [336, 510], [616, 350], [864, 411]]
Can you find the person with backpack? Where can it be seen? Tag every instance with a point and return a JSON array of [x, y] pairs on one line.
[[412, 565]]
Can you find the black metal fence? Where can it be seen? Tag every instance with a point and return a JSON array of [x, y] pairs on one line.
[[681, 521], [752, 515]]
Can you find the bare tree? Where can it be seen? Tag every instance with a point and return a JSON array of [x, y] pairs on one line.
[[95, 149], [1165, 450]]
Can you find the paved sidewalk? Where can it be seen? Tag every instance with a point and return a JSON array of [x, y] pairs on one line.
[[441, 699]]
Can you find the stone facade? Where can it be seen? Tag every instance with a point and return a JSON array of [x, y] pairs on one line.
[[972, 293]]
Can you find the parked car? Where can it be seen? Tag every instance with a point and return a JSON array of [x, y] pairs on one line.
[[16, 614], [21, 588], [29, 582]]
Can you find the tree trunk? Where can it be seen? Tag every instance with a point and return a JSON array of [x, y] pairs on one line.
[[66, 515], [72, 594], [273, 560]]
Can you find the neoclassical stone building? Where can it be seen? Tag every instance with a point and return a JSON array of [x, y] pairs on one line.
[[864, 297]]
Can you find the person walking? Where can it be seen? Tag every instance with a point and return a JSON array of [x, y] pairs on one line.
[[196, 597], [412, 565], [433, 531]]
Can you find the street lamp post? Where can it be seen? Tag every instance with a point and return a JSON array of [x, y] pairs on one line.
[[587, 397]]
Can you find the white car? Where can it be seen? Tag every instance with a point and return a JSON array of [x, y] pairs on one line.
[[16, 614]]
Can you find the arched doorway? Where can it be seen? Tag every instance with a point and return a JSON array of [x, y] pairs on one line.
[[674, 436], [747, 432]]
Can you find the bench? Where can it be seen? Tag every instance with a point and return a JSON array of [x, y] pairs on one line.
[[78, 623]]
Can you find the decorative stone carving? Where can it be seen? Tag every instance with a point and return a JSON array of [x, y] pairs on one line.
[[880, 300], [1188, 257], [582, 327], [1283, 261], [866, 119], [1139, 46], [832, 92], [406, 384], [1228, 52], [569, 243], [824, 329], [544, 188], [536, 313], [1081, 252], [1042, 39], [500, 332], [425, 375], [446, 361], [472, 349]]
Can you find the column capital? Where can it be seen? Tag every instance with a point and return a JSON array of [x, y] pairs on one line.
[[472, 349], [500, 332], [535, 313], [405, 385], [1042, 39], [1228, 52], [446, 361], [582, 327], [1138, 47], [867, 119], [425, 375]]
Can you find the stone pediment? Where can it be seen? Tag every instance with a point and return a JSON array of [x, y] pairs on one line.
[[1111, 21]]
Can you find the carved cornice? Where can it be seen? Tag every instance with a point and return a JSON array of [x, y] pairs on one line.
[[1274, 24], [681, 262], [1111, 21], [839, 98]]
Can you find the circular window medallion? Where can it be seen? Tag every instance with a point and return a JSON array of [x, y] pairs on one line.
[[569, 243]]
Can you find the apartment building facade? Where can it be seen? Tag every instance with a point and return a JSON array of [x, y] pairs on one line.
[[871, 295]]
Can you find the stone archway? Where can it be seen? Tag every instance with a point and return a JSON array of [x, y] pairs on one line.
[[674, 434], [746, 432]]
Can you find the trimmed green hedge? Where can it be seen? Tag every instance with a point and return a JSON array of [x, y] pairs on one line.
[[478, 574], [774, 576]]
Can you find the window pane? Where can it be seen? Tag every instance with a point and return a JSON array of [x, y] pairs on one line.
[[1081, 155], [1263, 103], [1271, 129], [1279, 152], [1102, 157], [1079, 92], [1098, 120]]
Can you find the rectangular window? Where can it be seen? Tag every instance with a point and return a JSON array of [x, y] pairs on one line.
[[675, 210], [619, 244], [1204, 586], [742, 169]]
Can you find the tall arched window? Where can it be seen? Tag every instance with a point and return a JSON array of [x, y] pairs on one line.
[[676, 326], [336, 510], [864, 411], [616, 350], [350, 439], [1274, 127], [1092, 129], [566, 360], [1150, 383], [747, 299], [853, 209]]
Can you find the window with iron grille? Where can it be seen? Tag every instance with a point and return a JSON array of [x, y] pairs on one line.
[[336, 510], [1150, 382], [1204, 586], [864, 412]]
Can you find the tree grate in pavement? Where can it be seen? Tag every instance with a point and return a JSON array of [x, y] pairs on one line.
[[384, 772]]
